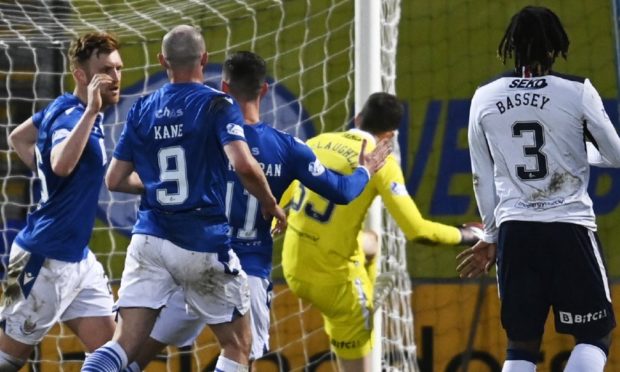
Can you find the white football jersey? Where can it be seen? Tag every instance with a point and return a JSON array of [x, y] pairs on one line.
[[527, 140]]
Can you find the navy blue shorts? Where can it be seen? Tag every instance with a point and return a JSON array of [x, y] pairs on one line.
[[557, 265]]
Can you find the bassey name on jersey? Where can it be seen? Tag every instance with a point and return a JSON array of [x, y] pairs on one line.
[[522, 99], [168, 131]]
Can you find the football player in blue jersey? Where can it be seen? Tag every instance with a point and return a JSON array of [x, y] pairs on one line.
[[175, 151], [283, 158], [52, 274]]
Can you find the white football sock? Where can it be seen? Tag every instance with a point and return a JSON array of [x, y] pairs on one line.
[[226, 365], [518, 366], [586, 358]]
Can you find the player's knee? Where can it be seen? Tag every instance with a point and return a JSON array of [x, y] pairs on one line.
[[10, 363], [603, 343], [240, 339], [523, 350]]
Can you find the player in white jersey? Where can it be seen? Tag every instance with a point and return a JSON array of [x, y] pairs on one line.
[[528, 131], [52, 274]]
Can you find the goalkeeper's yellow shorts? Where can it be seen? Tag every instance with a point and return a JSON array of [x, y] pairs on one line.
[[346, 309]]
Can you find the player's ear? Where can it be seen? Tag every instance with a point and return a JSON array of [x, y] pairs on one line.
[[204, 58], [263, 89], [162, 61], [225, 87], [80, 76], [357, 121]]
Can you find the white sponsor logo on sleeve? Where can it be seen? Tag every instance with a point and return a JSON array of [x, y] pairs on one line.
[[235, 129], [398, 189], [316, 168], [60, 134]]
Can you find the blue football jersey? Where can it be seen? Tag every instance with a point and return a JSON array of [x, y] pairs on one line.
[[283, 159], [61, 226], [174, 137]]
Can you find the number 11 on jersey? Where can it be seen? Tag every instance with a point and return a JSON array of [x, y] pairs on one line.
[[248, 232]]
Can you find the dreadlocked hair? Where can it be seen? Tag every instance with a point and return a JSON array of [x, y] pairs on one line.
[[535, 37]]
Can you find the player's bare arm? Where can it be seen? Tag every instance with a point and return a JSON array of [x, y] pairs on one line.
[[122, 177], [23, 139], [66, 154], [253, 179]]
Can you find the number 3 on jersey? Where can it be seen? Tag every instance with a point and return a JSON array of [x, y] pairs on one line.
[[540, 170], [176, 173]]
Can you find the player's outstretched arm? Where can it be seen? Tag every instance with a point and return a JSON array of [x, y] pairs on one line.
[[331, 185], [254, 180], [391, 187], [23, 140], [66, 154], [122, 177]]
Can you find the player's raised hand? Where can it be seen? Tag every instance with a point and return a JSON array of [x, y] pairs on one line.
[[477, 260], [94, 91], [374, 160]]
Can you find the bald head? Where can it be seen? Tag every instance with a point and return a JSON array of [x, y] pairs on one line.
[[183, 47]]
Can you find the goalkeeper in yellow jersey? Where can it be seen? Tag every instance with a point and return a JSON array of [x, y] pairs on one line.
[[321, 259]]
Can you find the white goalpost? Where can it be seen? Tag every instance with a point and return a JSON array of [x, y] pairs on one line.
[[376, 30], [323, 56]]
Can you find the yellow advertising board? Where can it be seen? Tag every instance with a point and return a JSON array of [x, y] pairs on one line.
[[445, 317]]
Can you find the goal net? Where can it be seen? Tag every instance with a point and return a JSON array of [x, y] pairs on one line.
[[308, 47]]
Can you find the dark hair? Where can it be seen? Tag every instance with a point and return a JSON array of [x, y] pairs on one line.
[[536, 37], [81, 49], [245, 73], [381, 113]]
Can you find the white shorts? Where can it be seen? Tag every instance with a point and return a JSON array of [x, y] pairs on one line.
[[180, 326], [261, 291], [62, 291], [215, 287], [177, 324]]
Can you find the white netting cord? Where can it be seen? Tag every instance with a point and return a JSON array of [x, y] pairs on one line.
[[393, 286], [390, 18], [43, 29]]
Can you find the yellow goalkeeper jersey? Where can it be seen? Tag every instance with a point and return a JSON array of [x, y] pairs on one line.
[[321, 239]]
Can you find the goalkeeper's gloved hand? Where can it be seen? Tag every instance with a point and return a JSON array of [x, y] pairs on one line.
[[471, 232]]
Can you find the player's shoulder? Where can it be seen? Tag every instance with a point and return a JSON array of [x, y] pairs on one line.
[[349, 135], [390, 168], [279, 138], [496, 79], [216, 99], [567, 77], [64, 107]]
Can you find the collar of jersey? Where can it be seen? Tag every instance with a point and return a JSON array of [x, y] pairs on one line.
[[364, 134]]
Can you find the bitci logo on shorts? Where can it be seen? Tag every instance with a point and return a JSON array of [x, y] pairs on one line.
[[568, 318]]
